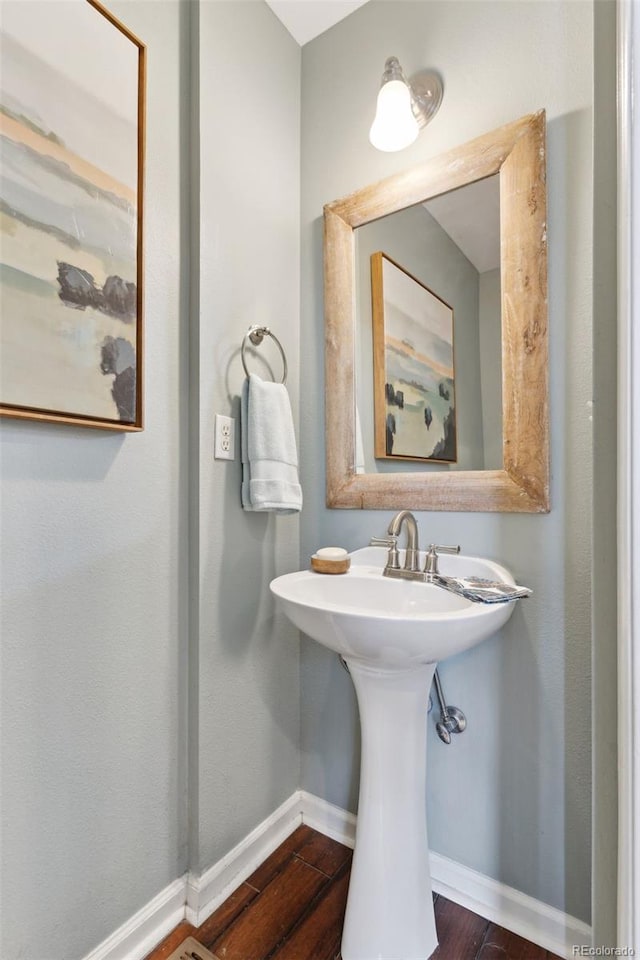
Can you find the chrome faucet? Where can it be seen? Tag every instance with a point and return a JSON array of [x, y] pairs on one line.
[[407, 518], [411, 569]]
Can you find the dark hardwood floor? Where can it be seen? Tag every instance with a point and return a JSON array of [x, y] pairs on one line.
[[292, 908]]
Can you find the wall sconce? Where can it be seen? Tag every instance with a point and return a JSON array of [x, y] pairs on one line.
[[404, 107]]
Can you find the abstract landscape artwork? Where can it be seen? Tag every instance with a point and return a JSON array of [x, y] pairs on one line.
[[413, 358], [71, 169]]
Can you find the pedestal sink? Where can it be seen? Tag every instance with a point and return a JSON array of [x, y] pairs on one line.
[[391, 633]]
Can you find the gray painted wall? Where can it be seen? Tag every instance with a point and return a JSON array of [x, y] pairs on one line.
[[517, 785], [93, 606], [112, 656], [605, 784], [416, 241], [245, 680]]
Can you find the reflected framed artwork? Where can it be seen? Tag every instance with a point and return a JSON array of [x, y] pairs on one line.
[[413, 367], [72, 105]]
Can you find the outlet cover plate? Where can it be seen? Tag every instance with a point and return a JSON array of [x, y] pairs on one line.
[[225, 438]]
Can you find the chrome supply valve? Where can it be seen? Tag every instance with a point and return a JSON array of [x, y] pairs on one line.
[[452, 720]]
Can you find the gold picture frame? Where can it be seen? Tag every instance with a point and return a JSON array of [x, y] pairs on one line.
[[71, 193], [413, 367]]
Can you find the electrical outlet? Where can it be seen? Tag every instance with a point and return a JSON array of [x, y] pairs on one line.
[[225, 438]]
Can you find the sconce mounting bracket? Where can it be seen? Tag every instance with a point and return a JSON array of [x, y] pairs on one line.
[[426, 95]]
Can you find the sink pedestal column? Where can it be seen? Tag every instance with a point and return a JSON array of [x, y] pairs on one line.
[[390, 905]]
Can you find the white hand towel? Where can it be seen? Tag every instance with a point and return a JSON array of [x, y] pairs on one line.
[[269, 456]]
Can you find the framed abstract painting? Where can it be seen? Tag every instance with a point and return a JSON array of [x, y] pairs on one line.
[[413, 367], [72, 117]]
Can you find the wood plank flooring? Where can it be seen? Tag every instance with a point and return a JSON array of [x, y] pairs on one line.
[[292, 908]]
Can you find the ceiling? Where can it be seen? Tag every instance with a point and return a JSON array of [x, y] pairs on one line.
[[471, 217], [306, 19]]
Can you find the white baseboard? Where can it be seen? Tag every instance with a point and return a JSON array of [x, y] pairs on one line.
[[529, 918], [333, 821], [195, 898], [146, 928], [206, 892]]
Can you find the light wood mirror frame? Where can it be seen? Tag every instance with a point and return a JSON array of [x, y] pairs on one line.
[[517, 152]]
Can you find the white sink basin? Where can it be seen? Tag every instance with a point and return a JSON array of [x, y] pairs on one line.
[[391, 634], [364, 615]]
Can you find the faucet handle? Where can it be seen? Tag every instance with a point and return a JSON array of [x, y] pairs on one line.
[[393, 561], [431, 565]]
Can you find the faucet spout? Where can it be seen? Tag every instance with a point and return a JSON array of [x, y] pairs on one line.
[[406, 518]]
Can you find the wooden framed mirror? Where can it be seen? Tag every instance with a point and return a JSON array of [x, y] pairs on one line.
[[516, 153]]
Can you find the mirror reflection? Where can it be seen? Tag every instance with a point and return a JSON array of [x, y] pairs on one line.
[[450, 245]]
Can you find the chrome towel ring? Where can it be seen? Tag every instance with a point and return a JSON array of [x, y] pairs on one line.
[[256, 335]]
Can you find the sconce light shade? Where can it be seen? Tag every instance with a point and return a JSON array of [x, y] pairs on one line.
[[403, 109], [394, 126]]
